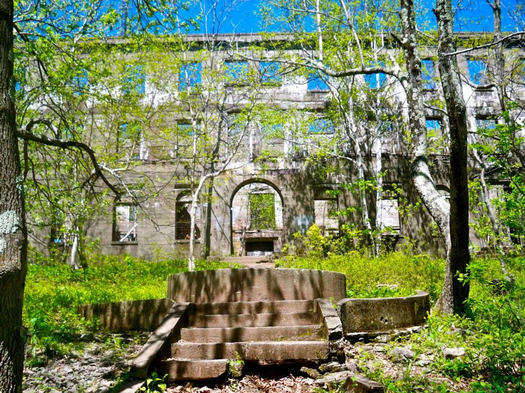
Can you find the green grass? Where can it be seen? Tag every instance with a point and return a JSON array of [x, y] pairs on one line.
[[395, 274], [492, 334], [54, 291]]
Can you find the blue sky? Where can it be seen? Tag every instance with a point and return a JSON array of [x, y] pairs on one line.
[[474, 15]]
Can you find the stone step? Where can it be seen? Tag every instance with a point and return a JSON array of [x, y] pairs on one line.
[[239, 334], [267, 352], [179, 369], [253, 320], [257, 307]]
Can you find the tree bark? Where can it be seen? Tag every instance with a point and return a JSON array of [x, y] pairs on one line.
[[13, 236], [455, 291], [436, 204]]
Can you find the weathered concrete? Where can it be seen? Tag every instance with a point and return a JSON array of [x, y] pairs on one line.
[[160, 340], [329, 319], [252, 320], [382, 314], [238, 334], [262, 351], [231, 308], [233, 285], [184, 369], [129, 315]]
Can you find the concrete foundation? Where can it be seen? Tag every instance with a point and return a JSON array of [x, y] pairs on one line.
[[233, 285]]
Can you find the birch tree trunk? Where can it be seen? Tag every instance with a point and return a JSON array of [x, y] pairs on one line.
[[455, 291], [13, 236], [436, 204]]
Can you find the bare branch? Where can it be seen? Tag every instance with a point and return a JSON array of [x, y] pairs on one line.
[[27, 135], [490, 44]]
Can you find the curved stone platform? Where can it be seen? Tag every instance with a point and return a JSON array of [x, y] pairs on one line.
[[234, 285]]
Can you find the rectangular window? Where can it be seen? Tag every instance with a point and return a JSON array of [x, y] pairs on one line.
[[125, 223], [389, 215], [190, 75], [131, 141], [134, 81], [321, 126], [317, 82], [236, 72], [477, 71], [262, 211], [183, 218], [428, 74], [80, 82], [183, 140], [325, 211], [485, 123], [375, 81], [270, 72]]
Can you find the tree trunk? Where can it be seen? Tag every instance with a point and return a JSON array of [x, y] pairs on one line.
[[435, 203], [455, 291], [13, 236]]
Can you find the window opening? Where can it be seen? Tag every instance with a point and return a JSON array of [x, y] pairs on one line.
[[428, 74], [236, 72], [125, 223], [134, 80], [183, 219], [270, 72], [477, 71], [190, 75]]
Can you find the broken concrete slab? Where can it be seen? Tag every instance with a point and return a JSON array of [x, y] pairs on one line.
[[329, 319], [383, 314]]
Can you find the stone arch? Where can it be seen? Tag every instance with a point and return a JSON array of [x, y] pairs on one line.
[[256, 217]]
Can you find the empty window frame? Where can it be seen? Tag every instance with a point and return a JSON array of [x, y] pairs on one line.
[[131, 141], [388, 213], [190, 75], [183, 140], [477, 71], [183, 218], [125, 222], [236, 72], [428, 74], [270, 72], [486, 123], [325, 214], [321, 125], [317, 81], [134, 81]]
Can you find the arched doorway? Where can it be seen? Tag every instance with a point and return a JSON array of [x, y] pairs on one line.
[[256, 219]]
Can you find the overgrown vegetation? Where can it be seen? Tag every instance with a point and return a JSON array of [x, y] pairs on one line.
[[492, 333], [54, 291]]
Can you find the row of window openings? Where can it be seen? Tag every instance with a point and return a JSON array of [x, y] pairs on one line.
[[125, 217], [270, 73], [236, 72], [317, 126]]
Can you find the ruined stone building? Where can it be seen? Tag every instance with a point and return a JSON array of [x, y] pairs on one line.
[[272, 183]]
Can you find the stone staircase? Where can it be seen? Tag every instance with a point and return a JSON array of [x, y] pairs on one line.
[[266, 332]]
